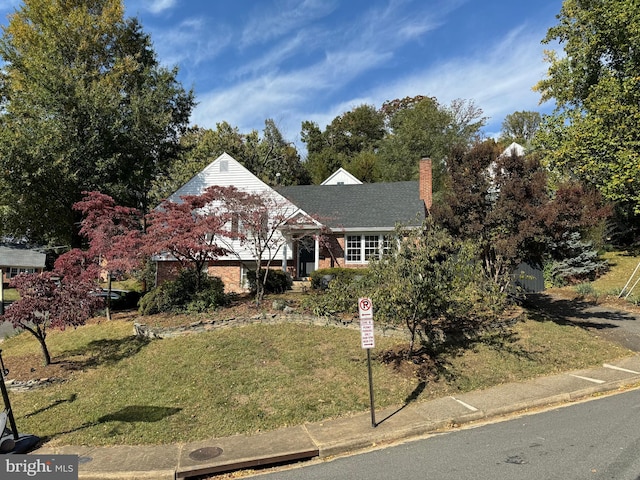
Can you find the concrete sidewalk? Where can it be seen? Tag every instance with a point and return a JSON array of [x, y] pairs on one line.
[[346, 435]]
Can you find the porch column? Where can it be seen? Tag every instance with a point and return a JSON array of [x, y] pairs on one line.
[[317, 252], [284, 257]]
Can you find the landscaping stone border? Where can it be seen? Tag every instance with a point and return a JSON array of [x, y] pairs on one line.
[[145, 331]]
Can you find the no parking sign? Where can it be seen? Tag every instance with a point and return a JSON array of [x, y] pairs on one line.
[[365, 308]]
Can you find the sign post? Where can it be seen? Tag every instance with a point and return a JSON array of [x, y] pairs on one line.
[[1, 293], [367, 339]]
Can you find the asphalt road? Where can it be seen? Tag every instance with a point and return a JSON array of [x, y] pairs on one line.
[[595, 440]]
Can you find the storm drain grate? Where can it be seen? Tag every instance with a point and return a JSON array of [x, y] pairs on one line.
[[206, 453]]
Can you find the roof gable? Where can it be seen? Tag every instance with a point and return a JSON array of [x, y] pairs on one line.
[[224, 171], [514, 149], [341, 177]]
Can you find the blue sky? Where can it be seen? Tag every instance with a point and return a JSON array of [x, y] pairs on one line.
[[296, 60]]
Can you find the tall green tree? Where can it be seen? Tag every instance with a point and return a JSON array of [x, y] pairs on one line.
[[84, 106], [274, 159], [421, 127], [594, 134], [348, 135], [520, 127]]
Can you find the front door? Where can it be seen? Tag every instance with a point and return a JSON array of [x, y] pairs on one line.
[[306, 256]]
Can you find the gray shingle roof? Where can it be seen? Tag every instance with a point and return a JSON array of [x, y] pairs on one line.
[[365, 206], [18, 256]]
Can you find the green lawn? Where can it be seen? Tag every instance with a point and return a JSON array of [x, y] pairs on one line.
[[123, 390], [255, 378]]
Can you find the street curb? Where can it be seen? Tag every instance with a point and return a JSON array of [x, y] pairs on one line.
[[454, 422]]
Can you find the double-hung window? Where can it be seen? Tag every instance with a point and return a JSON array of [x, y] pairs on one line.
[[362, 248]]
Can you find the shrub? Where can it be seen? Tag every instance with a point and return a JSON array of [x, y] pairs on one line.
[[320, 279], [340, 294], [277, 281], [586, 290], [186, 293], [573, 261]]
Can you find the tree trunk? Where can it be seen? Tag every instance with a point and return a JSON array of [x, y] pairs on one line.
[[260, 281], [45, 350], [108, 310]]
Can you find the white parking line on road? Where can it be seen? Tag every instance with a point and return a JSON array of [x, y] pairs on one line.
[[465, 405], [594, 380], [613, 367]]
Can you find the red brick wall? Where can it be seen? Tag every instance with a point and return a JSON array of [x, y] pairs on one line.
[[229, 274]]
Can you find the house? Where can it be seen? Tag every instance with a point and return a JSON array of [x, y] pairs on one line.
[[342, 222], [17, 258]]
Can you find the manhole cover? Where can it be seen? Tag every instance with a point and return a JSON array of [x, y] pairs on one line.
[[206, 453]]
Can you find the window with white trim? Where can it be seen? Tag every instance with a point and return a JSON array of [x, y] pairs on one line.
[[15, 271], [361, 248]]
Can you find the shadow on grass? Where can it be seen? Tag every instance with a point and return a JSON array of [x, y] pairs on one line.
[[72, 398], [129, 414], [435, 363], [102, 353]]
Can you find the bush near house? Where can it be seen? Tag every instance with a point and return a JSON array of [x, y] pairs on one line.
[[320, 278], [186, 293], [277, 281]]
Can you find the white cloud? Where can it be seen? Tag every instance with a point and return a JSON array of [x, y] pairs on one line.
[[498, 77], [500, 81], [191, 42], [274, 21], [159, 6], [254, 100]]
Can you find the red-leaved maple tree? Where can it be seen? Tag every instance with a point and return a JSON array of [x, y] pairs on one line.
[[114, 236], [191, 231], [50, 301]]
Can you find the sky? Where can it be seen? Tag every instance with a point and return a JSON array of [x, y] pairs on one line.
[[297, 60]]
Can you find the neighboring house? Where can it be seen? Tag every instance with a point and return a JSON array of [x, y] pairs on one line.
[[514, 149], [341, 177], [16, 259], [342, 222]]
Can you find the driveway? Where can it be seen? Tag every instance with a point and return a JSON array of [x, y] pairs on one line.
[[616, 325]]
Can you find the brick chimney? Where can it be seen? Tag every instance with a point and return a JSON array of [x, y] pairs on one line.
[[425, 182]]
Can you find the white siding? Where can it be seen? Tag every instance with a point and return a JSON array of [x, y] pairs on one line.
[[235, 175]]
